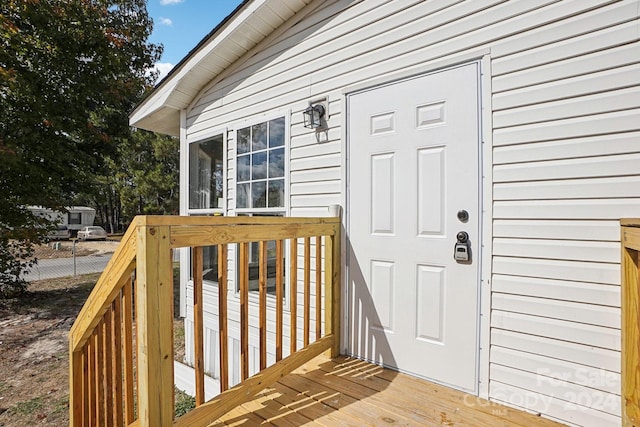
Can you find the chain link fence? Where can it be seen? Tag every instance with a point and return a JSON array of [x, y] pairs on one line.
[[70, 258]]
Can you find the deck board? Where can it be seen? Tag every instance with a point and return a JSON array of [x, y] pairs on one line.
[[350, 392], [318, 410]]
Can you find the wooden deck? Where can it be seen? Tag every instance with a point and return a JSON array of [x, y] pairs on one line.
[[349, 392]]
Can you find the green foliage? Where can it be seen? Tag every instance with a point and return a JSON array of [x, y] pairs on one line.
[[184, 402], [142, 179], [70, 72], [149, 175], [17, 247]]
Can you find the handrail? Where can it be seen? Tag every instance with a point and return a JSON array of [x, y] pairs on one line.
[[630, 304], [108, 370], [105, 290]]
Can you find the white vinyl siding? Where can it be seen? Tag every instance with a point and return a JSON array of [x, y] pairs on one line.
[[565, 137]]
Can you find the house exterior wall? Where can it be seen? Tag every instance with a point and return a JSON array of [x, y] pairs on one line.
[[562, 146]]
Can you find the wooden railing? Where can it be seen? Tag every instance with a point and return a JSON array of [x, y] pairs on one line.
[[630, 303], [121, 344]]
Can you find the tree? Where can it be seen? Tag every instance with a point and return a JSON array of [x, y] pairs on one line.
[[142, 179], [149, 175], [70, 72], [15, 254]]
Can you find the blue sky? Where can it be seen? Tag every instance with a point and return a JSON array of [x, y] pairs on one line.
[[180, 24]]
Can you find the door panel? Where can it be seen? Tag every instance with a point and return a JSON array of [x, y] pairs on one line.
[[431, 191], [383, 201], [413, 164]]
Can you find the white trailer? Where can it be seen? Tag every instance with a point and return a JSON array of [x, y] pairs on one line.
[[74, 218]]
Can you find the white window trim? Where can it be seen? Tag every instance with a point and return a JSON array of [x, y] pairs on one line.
[[285, 210], [225, 171], [185, 253]]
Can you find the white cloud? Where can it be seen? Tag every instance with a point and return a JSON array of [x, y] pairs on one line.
[[168, 2], [166, 21], [163, 68]]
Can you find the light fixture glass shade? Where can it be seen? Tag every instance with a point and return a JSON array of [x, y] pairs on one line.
[[313, 116]]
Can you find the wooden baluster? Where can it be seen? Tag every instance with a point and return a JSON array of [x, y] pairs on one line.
[[244, 310], [279, 297], [100, 401], [318, 287], [93, 379], [222, 317], [108, 369], [198, 323], [86, 384], [262, 286], [77, 388], [116, 323], [127, 350], [307, 289], [293, 293], [332, 290]]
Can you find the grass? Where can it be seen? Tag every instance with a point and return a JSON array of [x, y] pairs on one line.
[[28, 407]]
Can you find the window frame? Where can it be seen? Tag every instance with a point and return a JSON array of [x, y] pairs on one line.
[[220, 210], [284, 210]]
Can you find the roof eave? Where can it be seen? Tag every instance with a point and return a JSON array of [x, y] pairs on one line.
[[160, 111]]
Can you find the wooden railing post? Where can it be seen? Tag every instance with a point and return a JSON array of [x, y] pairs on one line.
[[154, 322], [332, 279], [630, 303]]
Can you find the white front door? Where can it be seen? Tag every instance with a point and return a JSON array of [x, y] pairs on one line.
[[413, 173]]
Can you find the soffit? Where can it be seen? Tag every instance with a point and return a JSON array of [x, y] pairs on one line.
[[251, 23]]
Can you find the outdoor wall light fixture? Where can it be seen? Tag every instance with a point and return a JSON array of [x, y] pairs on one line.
[[313, 116]]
